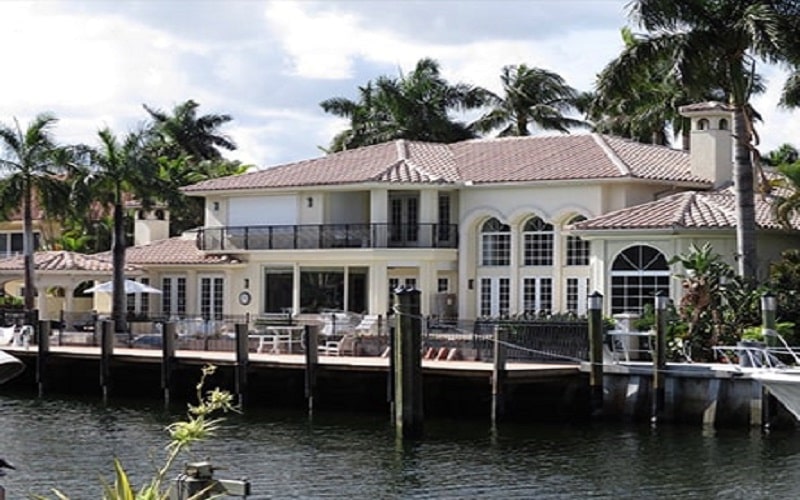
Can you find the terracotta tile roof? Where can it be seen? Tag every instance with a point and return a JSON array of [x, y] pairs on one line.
[[512, 159], [60, 260], [172, 251], [706, 107], [689, 210]]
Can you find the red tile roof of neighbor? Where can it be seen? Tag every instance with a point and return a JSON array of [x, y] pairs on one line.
[[512, 159], [61, 260]]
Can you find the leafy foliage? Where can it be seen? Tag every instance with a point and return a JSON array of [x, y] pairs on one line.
[[199, 425]]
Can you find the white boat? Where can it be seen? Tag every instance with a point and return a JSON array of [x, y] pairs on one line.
[[765, 364], [10, 367]]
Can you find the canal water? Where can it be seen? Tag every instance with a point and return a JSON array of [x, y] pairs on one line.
[[70, 444]]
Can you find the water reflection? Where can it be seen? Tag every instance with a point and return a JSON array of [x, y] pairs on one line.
[[70, 443]]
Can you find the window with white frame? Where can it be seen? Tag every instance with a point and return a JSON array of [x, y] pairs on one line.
[[537, 236], [577, 293], [577, 248], [495, 296], [495, 243], [537, 295], [211, 297], [139, 303], [637, 274], [12, 243], [173, 296], [443, 285]]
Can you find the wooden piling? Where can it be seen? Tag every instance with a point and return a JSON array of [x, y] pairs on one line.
[[596, 333], [43, 345], [408, 365], [499, 375], [659, 359], [242, 361], [312, 354], [168, 359], [769, 405], [106, 353]]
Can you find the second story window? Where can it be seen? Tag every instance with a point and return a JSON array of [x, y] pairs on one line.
[[577, 248], [11, 243], [495, 243], [538, 237]]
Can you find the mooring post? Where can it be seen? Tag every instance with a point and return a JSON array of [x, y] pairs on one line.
[[43, 344], [312, 359], [595, 307], [390, 372], [168, 359], [769, 304], [106, 352], [408, 364], [499, 374], [242, 361], [659, 358]]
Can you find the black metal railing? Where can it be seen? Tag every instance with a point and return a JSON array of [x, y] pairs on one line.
[[539, 340], [325, 236]]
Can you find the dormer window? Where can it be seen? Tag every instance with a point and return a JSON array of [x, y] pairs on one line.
[[723, 124], [702, 124]]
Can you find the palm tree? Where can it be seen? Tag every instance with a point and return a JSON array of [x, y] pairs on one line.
[[119, 170], [717, 41], [31, 160], [532, 96], [415, 106], [184, 132]]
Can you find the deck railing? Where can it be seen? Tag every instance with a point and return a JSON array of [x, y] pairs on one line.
[[327, 236]]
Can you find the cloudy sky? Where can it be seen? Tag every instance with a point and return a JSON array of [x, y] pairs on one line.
[[269, 63]]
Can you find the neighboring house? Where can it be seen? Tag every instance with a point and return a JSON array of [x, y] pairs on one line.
[[482, 227]]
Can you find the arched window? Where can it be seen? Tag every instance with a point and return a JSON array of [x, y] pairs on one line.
[[577, 248], [495, 243], [702, 124], [537, 236], [636, 275], [723, 124]]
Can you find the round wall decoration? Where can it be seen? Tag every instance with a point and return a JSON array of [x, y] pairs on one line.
[[244, 298]]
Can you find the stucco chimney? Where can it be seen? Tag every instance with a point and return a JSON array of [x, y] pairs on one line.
[[150, 225], [711, 141]]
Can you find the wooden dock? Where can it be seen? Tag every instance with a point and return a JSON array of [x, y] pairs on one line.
[[345, 382]]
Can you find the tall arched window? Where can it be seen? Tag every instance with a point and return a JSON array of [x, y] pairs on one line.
[[636, 275], [577, 248], [723, 124], [537, 236], [495, 243]]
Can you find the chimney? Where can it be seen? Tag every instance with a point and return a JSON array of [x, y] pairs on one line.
[[150, 226], [711, 141]]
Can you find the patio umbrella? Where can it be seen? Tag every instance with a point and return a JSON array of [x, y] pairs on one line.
[[130, 287]]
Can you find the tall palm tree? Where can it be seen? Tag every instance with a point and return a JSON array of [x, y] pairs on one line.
[[531, 96], [413, 106], [186, 132], [31, 161], [120, 169], [717, 41]]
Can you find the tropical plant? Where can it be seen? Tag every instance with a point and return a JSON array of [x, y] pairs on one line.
[[185, 133], [414, 106], [118, 170], [701, 303], [784, 281], [717, 41], [200, 425], [34, 165], [531, 96], [786, 202]]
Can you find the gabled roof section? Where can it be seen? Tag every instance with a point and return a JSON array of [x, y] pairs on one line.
[[397, 161], [688, 210], [509, 159]]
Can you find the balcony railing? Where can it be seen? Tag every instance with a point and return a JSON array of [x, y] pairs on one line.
[[324, 236]]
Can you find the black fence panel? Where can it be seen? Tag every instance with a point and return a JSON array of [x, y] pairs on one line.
[[538, 340]]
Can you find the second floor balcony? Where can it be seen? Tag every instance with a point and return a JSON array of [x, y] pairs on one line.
[[327, 236]]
